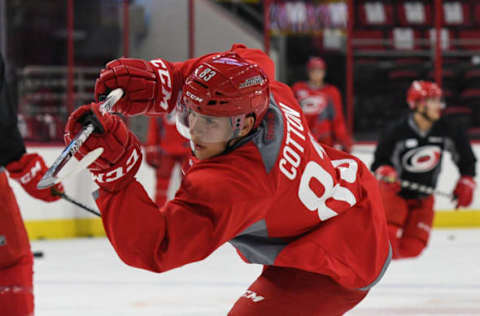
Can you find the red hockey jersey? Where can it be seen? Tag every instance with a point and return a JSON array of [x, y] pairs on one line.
[[324, 113], [279, 197]]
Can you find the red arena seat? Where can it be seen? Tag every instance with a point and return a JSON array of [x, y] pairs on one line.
[[456, 13], [368, 40], [405, 38], [446, 38], [372, 13], [469, 39], [414, 13]]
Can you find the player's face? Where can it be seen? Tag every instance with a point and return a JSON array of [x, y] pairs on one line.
[[433, 107], [209, 134], [317, 74]]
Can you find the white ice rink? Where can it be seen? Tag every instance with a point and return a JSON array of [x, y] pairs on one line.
[[84, 277]]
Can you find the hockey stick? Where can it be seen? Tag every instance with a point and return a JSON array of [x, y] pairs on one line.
[[421, 188], [53, 175], [69, 199], [424, 189]]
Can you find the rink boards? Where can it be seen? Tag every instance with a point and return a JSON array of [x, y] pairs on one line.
[[62, 219]]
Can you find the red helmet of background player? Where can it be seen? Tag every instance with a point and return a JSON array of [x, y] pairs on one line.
[[225, 86], [420, 90], [316, 63]]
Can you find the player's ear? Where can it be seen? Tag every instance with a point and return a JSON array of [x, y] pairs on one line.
[[247, 126]]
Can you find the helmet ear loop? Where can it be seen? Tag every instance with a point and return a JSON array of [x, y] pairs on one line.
[[237, 123]]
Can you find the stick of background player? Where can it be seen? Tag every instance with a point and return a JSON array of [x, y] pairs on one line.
[[16, 260], [414, 186], [412, 150]]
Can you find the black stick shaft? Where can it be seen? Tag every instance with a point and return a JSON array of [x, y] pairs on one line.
[[418, 187], [69, 199], [86, 208]]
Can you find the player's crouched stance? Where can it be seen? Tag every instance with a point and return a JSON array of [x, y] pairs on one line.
[[412, 150], [308, 213]]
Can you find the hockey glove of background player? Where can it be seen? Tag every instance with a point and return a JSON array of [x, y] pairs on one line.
[[28, 171], [464, 191], [147, 85], [121, 157], [388, 177]]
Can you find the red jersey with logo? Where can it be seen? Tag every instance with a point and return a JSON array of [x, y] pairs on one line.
[[279, 197], [417, 155], [324, 113]]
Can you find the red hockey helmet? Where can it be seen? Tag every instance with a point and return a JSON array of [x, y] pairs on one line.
[[420, 90], [225, 86], [316, 63]]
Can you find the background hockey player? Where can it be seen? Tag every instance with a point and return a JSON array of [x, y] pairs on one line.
[[322, 105], [16, 260], [258, 180], [412, 149], [164, 148]]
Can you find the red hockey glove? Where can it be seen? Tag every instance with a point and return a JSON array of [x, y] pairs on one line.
[[147, 86], [388, 176], [121, 157], [28, 171], [464, 191]]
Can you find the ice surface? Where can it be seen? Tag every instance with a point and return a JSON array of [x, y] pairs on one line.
[[85, 277]]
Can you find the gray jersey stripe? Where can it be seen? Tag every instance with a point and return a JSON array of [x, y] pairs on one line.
[[255, 245], [270, 135], [384, 269], [259, 250]]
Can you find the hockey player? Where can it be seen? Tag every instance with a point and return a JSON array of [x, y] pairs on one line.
[[258, 180], [322, 105], [16, 260], [412, 149], [164, 148]]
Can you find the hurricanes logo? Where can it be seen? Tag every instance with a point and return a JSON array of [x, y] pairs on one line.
[[314, 104], [422, 159]]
